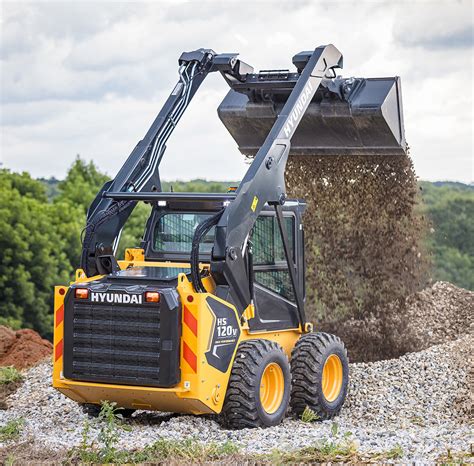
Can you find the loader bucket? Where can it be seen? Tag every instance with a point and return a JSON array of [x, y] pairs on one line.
[[353, 116]]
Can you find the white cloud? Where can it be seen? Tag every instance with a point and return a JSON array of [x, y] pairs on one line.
[[448, 26], [89, 78]]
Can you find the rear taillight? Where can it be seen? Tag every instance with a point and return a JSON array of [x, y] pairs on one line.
[[81, 293], [152, 297]]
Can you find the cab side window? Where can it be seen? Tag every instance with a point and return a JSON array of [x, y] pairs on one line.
[[269, 262]]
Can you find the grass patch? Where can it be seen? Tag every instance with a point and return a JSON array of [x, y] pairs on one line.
[[185, 450], [10, 374], [327, 451], [394, 453], [11, 430], [308, 415], [188, 450], [9, 460], [105, 449], [456, 457], [110, 422], [332, 451]]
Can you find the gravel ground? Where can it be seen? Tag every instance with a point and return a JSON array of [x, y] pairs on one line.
[[419, 401]]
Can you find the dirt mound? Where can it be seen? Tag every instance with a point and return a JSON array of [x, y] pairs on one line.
[[23, 348], [436, 315], [7, 338]]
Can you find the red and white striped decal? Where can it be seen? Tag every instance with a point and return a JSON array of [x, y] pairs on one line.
[[190, 341]]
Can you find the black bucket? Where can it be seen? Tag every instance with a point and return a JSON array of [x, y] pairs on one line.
[[352, 116]]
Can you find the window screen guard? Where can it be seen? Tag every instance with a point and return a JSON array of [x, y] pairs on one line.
[[271, 268], [174, 232]]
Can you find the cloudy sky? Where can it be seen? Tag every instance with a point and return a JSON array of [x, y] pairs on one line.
[[88, 78]]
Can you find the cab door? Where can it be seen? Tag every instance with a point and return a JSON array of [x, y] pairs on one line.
[[275, 306]]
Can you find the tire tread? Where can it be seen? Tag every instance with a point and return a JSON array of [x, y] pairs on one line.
[[240, 408], [307, 362]]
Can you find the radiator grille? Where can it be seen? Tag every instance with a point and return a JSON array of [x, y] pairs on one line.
[[115, 344]]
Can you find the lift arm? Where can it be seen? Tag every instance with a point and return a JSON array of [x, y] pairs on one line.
[[106, 215], [264, 182]]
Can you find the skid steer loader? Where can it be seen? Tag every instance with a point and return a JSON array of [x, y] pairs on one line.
[[207, 315]]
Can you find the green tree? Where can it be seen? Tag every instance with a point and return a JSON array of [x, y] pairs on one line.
[[33, 251], [82, 183], [68, 220], [450, 209], [451, 265], [25, 185]]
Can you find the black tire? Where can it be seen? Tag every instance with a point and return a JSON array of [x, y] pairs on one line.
[[126, 412], [242, 405], [93, 410], [307, 362]]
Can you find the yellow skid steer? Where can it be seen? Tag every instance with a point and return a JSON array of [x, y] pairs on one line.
[[207, 314]]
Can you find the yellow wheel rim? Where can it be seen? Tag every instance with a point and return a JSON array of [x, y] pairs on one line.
[[332, 377], [272, 387]]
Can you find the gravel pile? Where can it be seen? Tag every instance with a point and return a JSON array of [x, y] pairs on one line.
[[436, 315], [419, 401], [429, 388]]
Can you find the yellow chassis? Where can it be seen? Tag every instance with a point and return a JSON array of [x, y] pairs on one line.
[[202, 387]]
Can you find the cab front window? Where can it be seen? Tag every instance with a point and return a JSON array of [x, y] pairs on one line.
[[174, 233]]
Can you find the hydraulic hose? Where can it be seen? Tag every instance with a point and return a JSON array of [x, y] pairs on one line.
[[201, 230]]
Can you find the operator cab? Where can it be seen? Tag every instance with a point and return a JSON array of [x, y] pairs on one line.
[[169, 236]]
